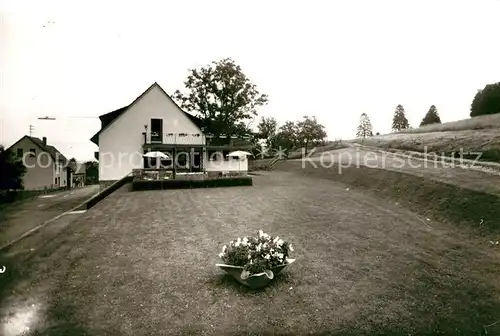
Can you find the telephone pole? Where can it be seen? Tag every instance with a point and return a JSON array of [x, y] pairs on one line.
[[32, 129]]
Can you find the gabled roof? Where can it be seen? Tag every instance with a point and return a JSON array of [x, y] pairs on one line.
[[53, 152], [77, 167], [108, 118]]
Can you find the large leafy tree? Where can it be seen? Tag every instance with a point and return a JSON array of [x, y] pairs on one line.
[[222, 96], [287, 136], [365, 128], [399, 121], [267, 129], [12, 170], [310, 132], [486, 101], [432, 117]]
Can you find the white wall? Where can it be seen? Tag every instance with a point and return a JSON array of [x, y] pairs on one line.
[[120, 145], [60, 172]]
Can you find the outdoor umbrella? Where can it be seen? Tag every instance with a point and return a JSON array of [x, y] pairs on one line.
[[239, 154], [157, 155]]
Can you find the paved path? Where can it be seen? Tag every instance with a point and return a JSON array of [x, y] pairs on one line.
[[143, 264], [440, 171], [23, 216]]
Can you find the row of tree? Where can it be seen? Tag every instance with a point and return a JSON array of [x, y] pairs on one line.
[[291, 135], [399, 121], [485, 102]]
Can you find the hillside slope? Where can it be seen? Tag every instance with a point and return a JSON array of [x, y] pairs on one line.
[[477, 123], [486, 141]]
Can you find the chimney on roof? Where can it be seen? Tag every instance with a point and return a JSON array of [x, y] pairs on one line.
[[44, 140]]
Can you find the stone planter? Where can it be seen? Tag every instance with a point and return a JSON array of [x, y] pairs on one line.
[[254, 281]]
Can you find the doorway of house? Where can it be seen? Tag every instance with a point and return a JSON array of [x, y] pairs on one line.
[[68, 178], [196, 162]]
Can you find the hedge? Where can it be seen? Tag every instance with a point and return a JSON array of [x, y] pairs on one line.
[[140, 185]]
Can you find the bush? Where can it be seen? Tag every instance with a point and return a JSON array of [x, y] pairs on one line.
[[140, 185]]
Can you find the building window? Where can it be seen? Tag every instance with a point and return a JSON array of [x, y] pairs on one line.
[[156, 130], [33, 151], [19, 152], [55, 180]]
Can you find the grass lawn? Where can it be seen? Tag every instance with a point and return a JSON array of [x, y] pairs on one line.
[[143, 263]]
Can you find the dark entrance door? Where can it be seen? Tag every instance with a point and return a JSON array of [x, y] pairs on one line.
[[196, 162], [157, 130], [68, 178]]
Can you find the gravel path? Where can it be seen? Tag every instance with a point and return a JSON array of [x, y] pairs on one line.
[[25, 215]]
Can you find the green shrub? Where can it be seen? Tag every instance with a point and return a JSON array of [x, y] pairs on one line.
[[140, 185]]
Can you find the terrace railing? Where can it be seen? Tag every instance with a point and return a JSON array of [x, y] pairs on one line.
[[152, 174], [174, 138], [195, 139]]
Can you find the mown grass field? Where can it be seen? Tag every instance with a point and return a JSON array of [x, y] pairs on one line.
[[143, 263]]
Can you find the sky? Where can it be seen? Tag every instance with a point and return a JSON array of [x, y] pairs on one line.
[[329, 59]]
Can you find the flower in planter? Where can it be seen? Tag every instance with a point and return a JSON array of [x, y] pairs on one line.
[[256, 254]]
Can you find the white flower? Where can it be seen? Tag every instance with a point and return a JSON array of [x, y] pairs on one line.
[[224, 248], [221, 254], [249, 256], [276, 239], [267, 256], [280, 255], [279, 242], [290, 247], [259, 247], [237, 244], [263, 235]]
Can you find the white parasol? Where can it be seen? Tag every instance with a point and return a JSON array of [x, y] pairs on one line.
[[239, 153], [157, 155]]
